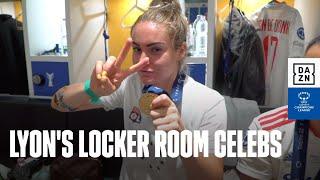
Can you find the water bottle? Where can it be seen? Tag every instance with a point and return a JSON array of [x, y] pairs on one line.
[[195, 52], [190, 40], [201, 36], [63, 34]]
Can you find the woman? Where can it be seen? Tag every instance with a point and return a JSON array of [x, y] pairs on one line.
[[159, 48]]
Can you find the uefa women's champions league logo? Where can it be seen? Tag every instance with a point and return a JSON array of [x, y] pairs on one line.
[[304, 97], [304, 105]]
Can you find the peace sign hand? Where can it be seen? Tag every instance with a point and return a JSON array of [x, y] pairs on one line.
[[107, 76]]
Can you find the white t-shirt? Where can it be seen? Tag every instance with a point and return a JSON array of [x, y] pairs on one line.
[[280, 29], [202, 109], [280, 168]]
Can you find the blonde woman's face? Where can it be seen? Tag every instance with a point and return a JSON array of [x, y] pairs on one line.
[[152, 40]]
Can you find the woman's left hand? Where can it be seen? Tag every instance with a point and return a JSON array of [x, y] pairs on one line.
[[165, 114]]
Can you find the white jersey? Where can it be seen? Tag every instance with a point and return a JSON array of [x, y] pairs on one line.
[[280, 29], [202, 109], [280, 168]]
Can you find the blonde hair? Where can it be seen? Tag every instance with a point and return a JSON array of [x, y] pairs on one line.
[[168, 13]]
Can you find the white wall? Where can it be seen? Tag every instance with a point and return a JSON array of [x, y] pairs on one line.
[[44, 18], [7, 8], [87, 17], [310, 12]]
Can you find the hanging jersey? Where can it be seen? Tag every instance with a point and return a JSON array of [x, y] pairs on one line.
[[281, 32], [280, 168]]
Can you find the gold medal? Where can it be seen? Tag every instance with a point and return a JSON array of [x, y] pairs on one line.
[[145, 102]]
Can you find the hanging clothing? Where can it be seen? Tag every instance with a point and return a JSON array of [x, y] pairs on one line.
[[13, 70], [240, 70], [281, 32]]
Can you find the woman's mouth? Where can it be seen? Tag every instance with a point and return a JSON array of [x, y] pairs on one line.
[[146, 73]]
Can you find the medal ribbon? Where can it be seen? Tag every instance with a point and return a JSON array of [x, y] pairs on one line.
[[177, 89], [300, 145]]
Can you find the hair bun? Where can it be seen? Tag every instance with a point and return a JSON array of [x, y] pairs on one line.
[[173, 5]]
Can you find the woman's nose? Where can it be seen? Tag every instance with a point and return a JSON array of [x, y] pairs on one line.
[[143, 55]]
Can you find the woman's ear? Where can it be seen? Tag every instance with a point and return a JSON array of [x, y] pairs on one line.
[[182, 51]]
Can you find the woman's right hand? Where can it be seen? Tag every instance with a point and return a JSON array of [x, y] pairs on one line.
[[107, 76]]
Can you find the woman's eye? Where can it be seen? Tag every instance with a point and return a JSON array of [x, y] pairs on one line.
[[136, 49], [156, 50]]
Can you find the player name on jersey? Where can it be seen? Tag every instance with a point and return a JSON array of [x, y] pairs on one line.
[[274, 25]]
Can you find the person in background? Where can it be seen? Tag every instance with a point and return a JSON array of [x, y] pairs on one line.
[[277, 119], [159, 49]]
